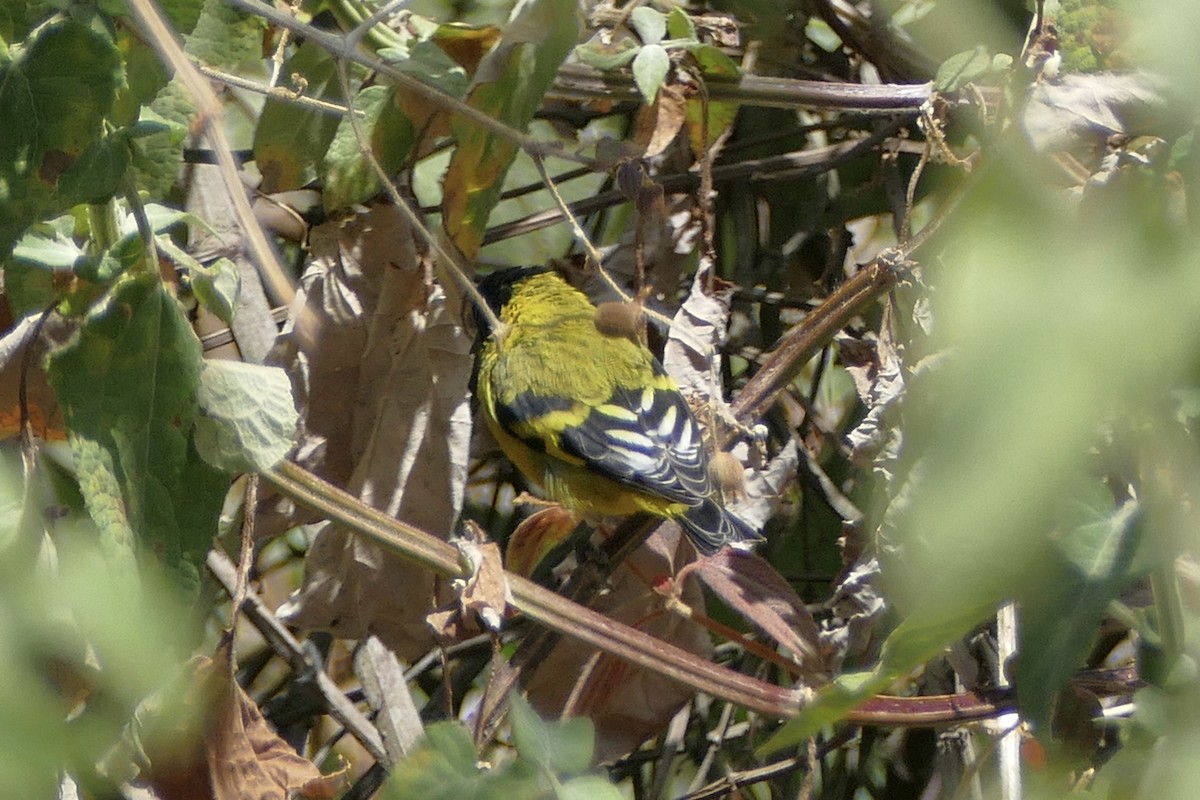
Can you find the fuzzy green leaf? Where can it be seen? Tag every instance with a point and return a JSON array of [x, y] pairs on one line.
[[650, 70], [249, 417]]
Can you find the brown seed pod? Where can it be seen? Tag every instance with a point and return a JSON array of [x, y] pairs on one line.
[[627, 319], [727, 474]]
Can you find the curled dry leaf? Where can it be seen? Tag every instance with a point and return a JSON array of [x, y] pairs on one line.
[[875, 366], [484, 593], [692, 357], [537, 536], [241, 756], [857, 604], [45, 416], [1077, 113], [660, 122]]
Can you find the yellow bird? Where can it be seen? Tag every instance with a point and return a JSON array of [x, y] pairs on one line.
[[591, 418]]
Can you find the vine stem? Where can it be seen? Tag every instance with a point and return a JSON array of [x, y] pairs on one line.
[[537, 603], [163, 39]]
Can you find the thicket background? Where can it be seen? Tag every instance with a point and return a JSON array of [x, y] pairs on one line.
[[959, 341]]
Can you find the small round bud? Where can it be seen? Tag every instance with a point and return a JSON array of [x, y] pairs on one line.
[[626, 319], [727, 474]]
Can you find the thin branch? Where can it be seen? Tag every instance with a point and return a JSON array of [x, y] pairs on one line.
[[283, 643], [579, 82], [537, 603], [783, 363], [339, 46], [163, 39], [797, 164], [275, 92], [454, 264]]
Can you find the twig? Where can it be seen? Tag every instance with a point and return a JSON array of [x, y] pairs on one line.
[[798, 164], [246, 552], [537, 603], [595, 260], [454, 264], [338, 45], [579, 82], [783, 363], [211, 117], [276, 92], [282, 642]]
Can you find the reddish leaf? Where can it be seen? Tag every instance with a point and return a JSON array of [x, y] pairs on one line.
[[760, 594]]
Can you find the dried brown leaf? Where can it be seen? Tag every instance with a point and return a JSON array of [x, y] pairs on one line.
[[484, 593], [247, 759], [240, 756], [380, 369], [536, 536], [659, 123]]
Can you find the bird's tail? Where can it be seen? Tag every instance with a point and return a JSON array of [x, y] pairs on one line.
[[711, 527]]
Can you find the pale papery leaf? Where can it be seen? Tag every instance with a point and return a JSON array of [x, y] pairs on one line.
[[857, 605], [876, 367], [381, 370], [692, 355], [383, 683], [1082, 111], [484, 592], [763, 487]]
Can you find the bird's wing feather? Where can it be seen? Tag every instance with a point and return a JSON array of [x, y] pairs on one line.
[[646, 437]]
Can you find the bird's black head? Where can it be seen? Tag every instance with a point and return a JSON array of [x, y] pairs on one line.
[[497, 287]]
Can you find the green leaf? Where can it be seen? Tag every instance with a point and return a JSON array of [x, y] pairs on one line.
[[248, 420], [917, 639], [127, 382], [714, 63], [563, 747], [225, 36], [819, 33], [429, 63], [680, 25], [217, 287], [607, 56], [509, 85], [290, 141], [588, 787], [1096, 561], [349, 177], [96, 175], [53, 96], [961, 68], [145, 77], [184, 14], [651, 25], [53, 252], [650, 70], [445, 767]]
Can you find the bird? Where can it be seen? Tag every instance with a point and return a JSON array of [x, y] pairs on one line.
[[590, 416]]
